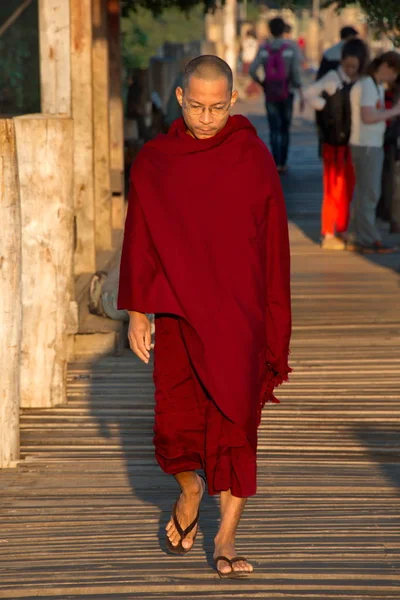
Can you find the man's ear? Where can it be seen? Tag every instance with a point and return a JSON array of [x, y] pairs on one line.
[[179, 95], [234, 97]]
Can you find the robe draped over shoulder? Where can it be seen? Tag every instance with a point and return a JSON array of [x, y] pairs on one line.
[[206, 239]]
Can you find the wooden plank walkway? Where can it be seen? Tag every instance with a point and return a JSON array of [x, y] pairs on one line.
[[82, 516]]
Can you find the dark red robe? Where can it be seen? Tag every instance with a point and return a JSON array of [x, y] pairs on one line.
[[206, 239]]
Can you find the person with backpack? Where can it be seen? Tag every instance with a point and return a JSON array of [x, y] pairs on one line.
[[330, 97], [368, 117], [280, 63]]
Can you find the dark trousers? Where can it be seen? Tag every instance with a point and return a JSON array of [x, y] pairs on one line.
[[389, 203], [279, 116]]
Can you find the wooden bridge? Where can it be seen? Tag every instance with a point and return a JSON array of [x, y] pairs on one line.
[[83, 514]]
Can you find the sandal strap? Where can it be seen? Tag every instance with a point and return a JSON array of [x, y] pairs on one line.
[[224, 558], [237, 559], [183, 532]]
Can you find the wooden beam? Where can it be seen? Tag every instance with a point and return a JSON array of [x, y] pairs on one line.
[[55, 62], [45, 171], [101, 127], [116, 104], [82, 112], [10, 297]]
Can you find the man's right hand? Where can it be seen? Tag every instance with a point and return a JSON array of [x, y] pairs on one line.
[[139, 335]]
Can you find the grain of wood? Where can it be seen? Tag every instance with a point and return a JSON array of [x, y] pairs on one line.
[[82, 112], [45, 172], [101, 127], [116, 104], [55, 61], [10, 296]]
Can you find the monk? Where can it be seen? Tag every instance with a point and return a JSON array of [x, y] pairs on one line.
[[206, 250]]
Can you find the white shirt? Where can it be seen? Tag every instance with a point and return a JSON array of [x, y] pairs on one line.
[[329, 83], [249, 49], [366, 93]]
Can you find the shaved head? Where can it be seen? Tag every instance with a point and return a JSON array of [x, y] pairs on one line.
[[209, 68]]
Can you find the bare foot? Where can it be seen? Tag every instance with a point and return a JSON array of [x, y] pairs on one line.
[[186, 511], [228, 550]]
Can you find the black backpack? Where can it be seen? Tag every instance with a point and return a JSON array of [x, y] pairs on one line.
[[334, 120], [326, 66]]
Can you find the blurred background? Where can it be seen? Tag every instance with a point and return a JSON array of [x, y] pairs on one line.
[[157, 34]]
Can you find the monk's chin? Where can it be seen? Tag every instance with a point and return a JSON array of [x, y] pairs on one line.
[[202, 135]]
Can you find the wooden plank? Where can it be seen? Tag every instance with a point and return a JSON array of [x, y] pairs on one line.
[[55, 61], [10, 296]]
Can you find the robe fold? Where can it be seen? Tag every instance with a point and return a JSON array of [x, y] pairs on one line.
[[206, 239]]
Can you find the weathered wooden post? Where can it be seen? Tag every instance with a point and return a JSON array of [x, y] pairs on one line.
[[10, 297], [116, 115], [116, 104], [101, 127], [55, 59], [230, 33], [82, 112], [45, 172], [66, 55], [214, 32]]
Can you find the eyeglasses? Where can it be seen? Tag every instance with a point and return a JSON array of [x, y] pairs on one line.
[[215, 111]]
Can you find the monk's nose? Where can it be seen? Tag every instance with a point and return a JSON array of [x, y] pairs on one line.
[[206, 117]]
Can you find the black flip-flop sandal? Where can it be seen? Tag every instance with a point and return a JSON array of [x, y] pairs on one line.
[[231, 574], [179, 549]]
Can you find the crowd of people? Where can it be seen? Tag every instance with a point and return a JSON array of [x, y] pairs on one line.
[[357, 103]]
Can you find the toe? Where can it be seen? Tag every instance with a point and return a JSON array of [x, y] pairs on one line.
[[169, 526], [175, 538], [189, 539], [187, 543], [243, 566], [223, 566]]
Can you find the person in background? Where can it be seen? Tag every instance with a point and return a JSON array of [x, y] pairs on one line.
[[330, 97], [281, 65], [389, 204], [332, 56], [368, 116], [137, 99], [287, 32], [249, 50], [287, 35]]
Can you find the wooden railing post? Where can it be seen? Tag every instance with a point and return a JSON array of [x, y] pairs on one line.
[[55, 56], [116, 105], [101, 127], [82, 112], [45, 172], [10, 297], [116, 115]]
